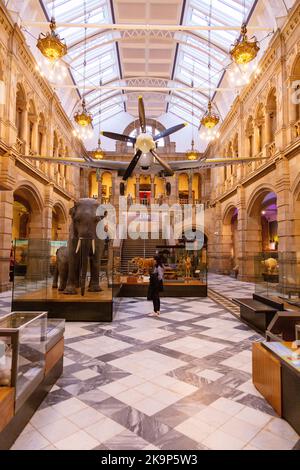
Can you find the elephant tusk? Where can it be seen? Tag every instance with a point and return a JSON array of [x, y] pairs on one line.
[[78, 245], [93, 246]]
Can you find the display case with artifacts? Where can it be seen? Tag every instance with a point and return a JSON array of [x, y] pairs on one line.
[[23, 343], [71, 278], [31, 360], [277, 276], [185, 272]]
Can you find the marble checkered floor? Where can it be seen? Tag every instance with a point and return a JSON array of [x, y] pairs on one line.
[[181, 381], [230, 287]]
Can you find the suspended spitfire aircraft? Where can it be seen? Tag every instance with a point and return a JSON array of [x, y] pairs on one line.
[[145, 154]]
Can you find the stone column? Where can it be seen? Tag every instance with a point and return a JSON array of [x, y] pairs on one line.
[[287, 250], [6, 218], [256, 140], [241, 233], [190, 188], [176, 188], [115, 190], [25, 128], [152, 189], [292, 113], [99, 176], [34, 136], [268, 128], [137, 189]]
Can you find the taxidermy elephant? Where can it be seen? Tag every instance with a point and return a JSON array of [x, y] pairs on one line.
[[84, 247], [61, 268]]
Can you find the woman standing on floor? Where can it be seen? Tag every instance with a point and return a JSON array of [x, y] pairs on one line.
[[156, 286]]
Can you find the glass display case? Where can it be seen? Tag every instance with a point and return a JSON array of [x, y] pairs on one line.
[[278, 275], [266, 270], [23, 338], [185, 272], [41, 269], [183, 265], [55, 331]]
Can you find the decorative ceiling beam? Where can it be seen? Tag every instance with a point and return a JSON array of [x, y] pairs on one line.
[[146, 27], [144, 88]]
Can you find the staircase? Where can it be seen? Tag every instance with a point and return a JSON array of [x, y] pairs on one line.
[[138, 248]]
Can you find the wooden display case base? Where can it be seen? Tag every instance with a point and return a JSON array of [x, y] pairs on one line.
[[15, 426], [171, 289], [7, 400], [266, 376], [93, 306]]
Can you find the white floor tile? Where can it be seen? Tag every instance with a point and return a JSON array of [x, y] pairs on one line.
[[31, 440], [58, 430], [69, 407], [85, 374], [85, 417], [45, 416], [228, 406], [268, 441], [282, 429], [222, 441], [210, 375], [195, 429], [240, 429], [104, 429], [78, 441], [252, 416]]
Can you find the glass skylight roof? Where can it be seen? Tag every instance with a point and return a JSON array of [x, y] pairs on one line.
[[193, 51], [101, 54]]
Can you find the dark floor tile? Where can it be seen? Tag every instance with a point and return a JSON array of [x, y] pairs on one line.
[[55, 397], [258, 404], [174, 440], [109, 407], [126, 440], [147, 427], [171, 419]]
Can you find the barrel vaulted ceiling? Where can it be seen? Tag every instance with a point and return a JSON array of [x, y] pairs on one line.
[[147, 58]]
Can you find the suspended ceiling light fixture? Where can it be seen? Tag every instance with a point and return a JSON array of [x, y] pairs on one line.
[[210, 119], [244, 51], [50, 44], [82, 117], [192, 154], [98, 153]]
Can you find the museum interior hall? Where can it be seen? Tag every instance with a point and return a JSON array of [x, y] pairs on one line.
[[149, 225]]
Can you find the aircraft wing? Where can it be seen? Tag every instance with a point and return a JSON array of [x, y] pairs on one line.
[[81, 162], [210, 163]]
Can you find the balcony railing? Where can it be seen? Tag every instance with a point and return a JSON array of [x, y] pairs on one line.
[[20, 145], [271, 150]]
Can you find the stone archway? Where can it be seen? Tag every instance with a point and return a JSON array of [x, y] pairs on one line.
[[59, 223], [230, 242], [261, 229], [33, 253]]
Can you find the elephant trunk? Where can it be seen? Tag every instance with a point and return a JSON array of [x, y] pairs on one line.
[[86, 245]]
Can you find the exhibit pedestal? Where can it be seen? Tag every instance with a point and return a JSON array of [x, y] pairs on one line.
[[191, 288], [276, 375], [93, 306]]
